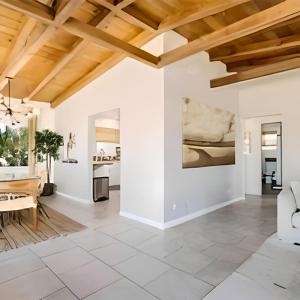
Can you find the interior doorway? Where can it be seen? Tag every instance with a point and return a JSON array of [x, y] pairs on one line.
[[271, 157], [262, 149], [105, 154]]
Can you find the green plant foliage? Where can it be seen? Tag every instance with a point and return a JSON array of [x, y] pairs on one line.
[[47, 145], [14, 147]]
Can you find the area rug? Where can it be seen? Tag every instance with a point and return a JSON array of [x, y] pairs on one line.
[[17, 233]]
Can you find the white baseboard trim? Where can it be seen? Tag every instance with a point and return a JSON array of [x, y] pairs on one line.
[[142, 220], [84, 201], [200, 213], [181, 220]]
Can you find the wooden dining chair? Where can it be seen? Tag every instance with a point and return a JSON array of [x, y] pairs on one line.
[[14, 204], [43, 180], [20, 194]]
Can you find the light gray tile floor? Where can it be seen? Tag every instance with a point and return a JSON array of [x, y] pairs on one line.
[[120, 259], [115, 253], [63, 294], [142, 269]]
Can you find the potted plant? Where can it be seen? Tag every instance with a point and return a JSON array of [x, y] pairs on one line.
[[46, 149]]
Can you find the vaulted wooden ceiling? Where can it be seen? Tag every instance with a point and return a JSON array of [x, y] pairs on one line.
[[53, 48]]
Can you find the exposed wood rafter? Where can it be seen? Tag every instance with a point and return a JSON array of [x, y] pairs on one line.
[[284, 11], [184, 17], [257, 72], [200, 11], [97, 36], [116, 58], [261, 48], [19, 43], [265, 39], [61, 15], [118, 11], [80, 45]]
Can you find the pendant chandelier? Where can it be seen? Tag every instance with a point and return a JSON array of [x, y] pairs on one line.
[[8, 114]]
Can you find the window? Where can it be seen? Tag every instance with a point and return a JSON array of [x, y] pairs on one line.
[[13, 146]]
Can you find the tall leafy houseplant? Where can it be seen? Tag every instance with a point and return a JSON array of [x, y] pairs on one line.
[[46, 149]]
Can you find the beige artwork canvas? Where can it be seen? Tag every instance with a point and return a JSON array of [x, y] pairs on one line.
[[208, 135]]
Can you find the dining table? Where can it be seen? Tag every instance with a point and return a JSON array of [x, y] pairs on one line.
[[11, 183]]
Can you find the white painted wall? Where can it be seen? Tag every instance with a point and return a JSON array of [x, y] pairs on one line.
[[277, 95], [138, 91], [192, 190], [150, 101], [107, 123]]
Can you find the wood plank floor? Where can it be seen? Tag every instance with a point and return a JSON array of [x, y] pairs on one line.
[[15, 235]]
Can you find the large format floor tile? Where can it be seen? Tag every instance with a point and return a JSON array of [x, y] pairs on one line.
[[23, 264], [183, 262], [252, 242], [114, 253], [63, 294], [134, 237], [14, 253], [273, 275], [122, 290], [196, 241], [89, 278], [32, 286], [67, 260], [176, 285], [142, 269], [115, 228], [217, 271], [238, 287], [91, 239], [52, 246], [188, 260], [160, 246]]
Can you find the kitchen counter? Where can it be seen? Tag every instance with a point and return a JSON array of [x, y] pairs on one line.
[[110, 168]]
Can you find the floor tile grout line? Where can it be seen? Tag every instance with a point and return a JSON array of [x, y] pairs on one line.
[[266, 218], [122, 275], [61, 282], [160, 260], [6, 281], [174, 267], [108, 285], [65, 287], [24, 274], [54, 253], [123, 261]]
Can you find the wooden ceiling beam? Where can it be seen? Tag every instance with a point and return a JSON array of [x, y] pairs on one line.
[[99, 22], [254, 63], [19, 42], [200, 11], [141, 39], [97, 36], [138, 41], [30, 8], [88, 32], [279, 13], [125, 3], [257, 72], [81, 44], [43, 34], [118, 11], [259, 49]]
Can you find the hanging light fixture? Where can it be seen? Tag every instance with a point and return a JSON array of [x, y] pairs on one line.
[[10, 115]]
